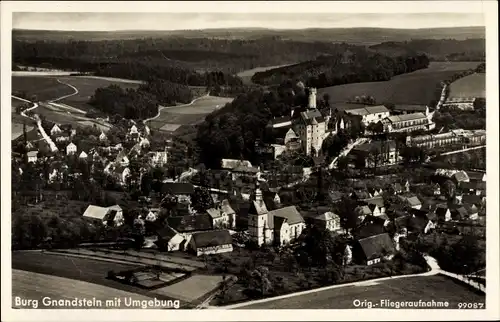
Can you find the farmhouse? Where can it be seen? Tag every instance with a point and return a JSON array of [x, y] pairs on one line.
[[55, 130], [109, 216], [32, 156], [170, 240], [71, 149], [211, 242], [373, 249]]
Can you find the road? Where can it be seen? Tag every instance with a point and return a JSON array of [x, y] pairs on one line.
[[161, 108], [346, 151], [65, 96]]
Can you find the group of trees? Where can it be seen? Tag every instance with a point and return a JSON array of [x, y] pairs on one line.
[[450, 119], [142, 102], [331, 70]]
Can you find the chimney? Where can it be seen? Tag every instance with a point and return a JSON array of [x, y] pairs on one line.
[[312, 98]]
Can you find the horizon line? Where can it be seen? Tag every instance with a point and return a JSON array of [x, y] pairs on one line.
[[261, 28]]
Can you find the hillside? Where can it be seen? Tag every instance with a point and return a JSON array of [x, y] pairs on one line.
[[350, 35], [443, 49]]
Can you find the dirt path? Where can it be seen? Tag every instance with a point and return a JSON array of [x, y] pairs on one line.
[[65, 96]]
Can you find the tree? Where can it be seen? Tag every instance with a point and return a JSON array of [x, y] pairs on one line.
[[260, 281], [202, 199], [449, 189], [346, 210]]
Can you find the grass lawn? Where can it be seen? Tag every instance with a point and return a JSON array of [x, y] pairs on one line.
[[192, 288], [428, 288], [44, 87], [30, 285], [171, 118], [413, 88], [469, 86]]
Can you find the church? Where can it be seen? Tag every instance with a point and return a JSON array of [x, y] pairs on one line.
[[278, 227]]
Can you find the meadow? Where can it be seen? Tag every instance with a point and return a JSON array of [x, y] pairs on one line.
[[425, 288], [43, 87], [413, 88], [173, 117], [469, 86]]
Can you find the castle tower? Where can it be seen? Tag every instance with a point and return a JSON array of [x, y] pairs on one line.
[[312, 98], [258, 228]]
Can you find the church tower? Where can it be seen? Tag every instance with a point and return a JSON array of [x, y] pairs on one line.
[[312, 99], [258, 227]]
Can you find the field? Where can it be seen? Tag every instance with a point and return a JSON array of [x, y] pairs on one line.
[[191, 288], [17, 120], [30, 285], [469, 86], [412, 88], [437, 288], [48, 87], [172, 117]]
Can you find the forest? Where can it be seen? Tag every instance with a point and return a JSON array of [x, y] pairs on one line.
[[437, 50], [344, 68], [141, 103]]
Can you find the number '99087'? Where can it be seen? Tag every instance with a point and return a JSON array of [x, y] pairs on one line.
[[464, 305]]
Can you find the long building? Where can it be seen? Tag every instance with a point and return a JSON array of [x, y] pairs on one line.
[[459, 136], [409, 122]]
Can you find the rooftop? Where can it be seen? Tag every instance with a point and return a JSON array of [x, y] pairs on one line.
[[406, 117]]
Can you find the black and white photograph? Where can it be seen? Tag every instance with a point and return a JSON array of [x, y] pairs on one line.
[[251, 156]]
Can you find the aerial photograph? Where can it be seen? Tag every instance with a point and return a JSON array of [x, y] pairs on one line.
[[248, 161]]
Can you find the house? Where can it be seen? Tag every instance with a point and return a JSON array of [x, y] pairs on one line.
[[460, 176], [362, 212], [170, 240], [476, 176], [459, 213], [144, 143], [133, 130], [405, 109], [375, 153], [326, 220], [271, 199], [373, 249], [279, 122], [375, 192], [159, 158], [370, 114], [437, 189], [360, 194], [472, 211], [221, 219], [443, 213], [420, 222], [102, 137], [335, 196], [109, 216], [32, 156], [62, 138], [71, 148], [279, 226], [400, 223], [374, 209], [473, 200], [229, 212], [152, 215], [211, 242], [473, 187], [414, 202], [369, 226], [188, 224], [230, 164], [182, 190], [245, 172], [55, 130], [378, 201], [83, 155]]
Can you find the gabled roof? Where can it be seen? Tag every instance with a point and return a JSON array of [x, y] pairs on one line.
[[233, 163], [97, 212], [417, 223], [473, 185], [413, 201], [460, 176], [472, 199], [379, 201], [178, 188], [406, 117], [327, 216], [283, 119], [475, 175], [214, 213], [460, 212], [411, 108], [212, 238], [376, 246], [290, 213], [190, 222], [335, 195], [226, 207], [376, 109], [166, 233], [471, 209], [278, 222]]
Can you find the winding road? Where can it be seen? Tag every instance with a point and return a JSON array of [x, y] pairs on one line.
[[65, 96], [161, 108]]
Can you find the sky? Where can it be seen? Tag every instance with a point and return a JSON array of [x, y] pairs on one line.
[[101, 21]]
